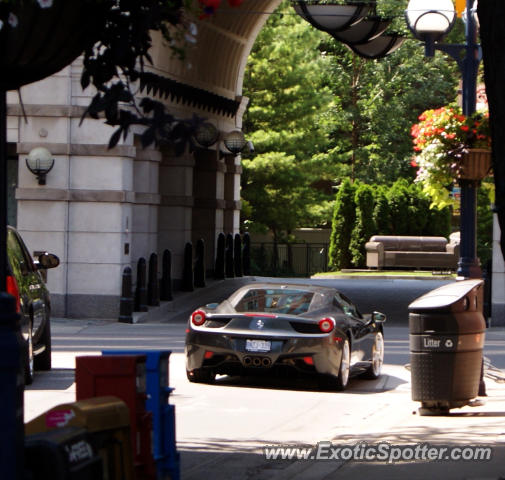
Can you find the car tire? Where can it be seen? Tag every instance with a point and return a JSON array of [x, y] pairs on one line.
[[374, 370], [28, 363], [200, 375], [339, 382], [43, 360]]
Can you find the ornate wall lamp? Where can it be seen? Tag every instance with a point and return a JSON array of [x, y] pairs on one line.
[[40, 162], [206, 134], [235, 141]]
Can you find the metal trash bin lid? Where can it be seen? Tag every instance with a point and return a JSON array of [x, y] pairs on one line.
[[454, 297]]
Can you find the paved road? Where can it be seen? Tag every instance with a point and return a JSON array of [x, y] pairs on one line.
[[388, 295]]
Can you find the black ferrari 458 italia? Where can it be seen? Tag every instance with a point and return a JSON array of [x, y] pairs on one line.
[[268, 326]]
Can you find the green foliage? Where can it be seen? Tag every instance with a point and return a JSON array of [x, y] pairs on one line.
[[362, 211], [377, 101], [399, 202], [381, 214], [286, 122], [339, 116], [419, 210], [439, 223], [274, 186], [344, 215], [284, 72], [364, 226]]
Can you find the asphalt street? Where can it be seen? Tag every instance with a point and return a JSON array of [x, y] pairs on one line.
[[387, 295]]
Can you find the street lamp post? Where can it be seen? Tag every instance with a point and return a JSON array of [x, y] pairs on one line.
[[430, 20]]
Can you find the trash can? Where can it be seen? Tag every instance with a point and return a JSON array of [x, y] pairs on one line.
[[446, 340]]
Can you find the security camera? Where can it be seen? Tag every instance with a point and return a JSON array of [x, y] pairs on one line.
[[250, 146]]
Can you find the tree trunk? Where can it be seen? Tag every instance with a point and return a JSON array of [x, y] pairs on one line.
[[492, 33]]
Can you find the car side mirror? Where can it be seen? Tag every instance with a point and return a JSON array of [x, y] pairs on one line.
[[47, 260], [378, 317]]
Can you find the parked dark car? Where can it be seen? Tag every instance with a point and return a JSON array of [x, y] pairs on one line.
[[25, 282], [273, 326]]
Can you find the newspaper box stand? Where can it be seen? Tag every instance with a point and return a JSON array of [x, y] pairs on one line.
[[62, 454], [158, 393], [123, 376], [106, 420]]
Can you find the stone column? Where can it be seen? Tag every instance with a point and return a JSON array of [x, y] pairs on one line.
[[175, 212], [208, 188], [232, 194]]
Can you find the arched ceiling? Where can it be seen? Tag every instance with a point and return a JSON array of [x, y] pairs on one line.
[[217, 61]]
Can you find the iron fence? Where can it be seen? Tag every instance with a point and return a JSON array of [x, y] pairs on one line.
[[289, 259]]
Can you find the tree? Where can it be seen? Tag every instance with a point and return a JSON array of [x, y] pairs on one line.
[[344, 216], [381, 213], [399, 200], [285, 122], [364, 226], [284, 82], [275, 194]]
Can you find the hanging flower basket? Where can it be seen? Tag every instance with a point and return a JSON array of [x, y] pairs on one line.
[[449, 145], [475, 165]]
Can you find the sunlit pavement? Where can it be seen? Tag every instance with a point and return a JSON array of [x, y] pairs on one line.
[[222, 428]]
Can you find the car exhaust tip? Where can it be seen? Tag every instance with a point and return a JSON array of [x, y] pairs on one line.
[[257, 362], [266, 362], [247, 361]]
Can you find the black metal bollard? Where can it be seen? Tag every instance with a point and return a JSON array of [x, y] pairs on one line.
[[153, 293], [237, 255], [187, 274], [219, 271], [126, 300], [200, 264], [246, 254], [140, 289], [229, 267], [166, 276], [12, 351]]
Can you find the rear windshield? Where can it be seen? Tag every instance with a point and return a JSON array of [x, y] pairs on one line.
[[293, 302]]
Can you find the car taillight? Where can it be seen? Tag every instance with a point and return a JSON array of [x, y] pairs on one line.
[[198, 318], [12, 288], [326, 325]]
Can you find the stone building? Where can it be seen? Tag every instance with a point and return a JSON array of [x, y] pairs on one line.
[[101, 210]]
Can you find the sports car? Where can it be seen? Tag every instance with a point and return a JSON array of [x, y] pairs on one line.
[[266, 327]]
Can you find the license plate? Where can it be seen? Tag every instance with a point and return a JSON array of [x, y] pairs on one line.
[[258, 345]]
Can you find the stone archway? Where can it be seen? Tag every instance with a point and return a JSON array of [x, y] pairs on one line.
[[92, 210]]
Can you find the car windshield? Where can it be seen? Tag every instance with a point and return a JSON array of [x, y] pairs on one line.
[[293, 302]]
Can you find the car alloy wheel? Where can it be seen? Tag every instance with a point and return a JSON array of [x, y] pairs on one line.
[[345, 365], [378, 354], [375, 369]]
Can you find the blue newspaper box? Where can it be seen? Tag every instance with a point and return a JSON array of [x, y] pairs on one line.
[[158, 392]]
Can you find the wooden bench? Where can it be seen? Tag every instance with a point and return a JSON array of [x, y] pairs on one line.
[[387, 251]]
